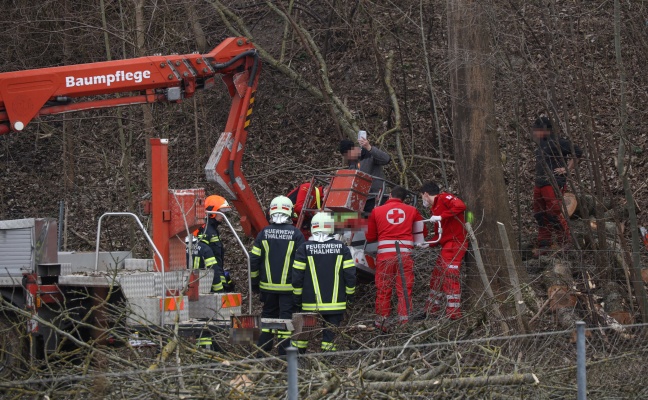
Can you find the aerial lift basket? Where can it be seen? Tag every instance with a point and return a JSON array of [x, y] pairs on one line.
[[349, 191]]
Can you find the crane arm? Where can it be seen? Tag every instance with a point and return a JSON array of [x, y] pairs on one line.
[[25, 95]]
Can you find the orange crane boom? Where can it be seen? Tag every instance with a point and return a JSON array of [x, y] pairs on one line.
[[29, 94]]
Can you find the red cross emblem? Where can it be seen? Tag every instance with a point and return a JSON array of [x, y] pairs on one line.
[[396, 216]]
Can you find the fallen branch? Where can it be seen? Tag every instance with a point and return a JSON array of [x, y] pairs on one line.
[[164, 354], [394, 376], [512, 379], [327, 388], [405, 375], [542, 308], [434, 372], [515, 283], [484, 277], [79, 343]]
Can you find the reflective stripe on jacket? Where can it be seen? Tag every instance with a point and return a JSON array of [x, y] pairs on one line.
[[272, 255], [209, 234], [395, 221], [203, 258], [323, 275]]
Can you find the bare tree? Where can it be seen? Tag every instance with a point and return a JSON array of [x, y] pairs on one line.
[[476, 149]]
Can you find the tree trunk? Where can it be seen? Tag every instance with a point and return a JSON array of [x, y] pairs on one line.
[[140, 46], [68, 136], [196, 26], [640, 292], [480, 173]]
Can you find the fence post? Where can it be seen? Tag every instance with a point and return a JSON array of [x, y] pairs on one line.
[[581, 376], [291, 355]]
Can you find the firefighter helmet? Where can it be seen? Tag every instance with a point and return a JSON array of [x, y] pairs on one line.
[[216, 203], [322, 222], [194, 239], [281, 205]]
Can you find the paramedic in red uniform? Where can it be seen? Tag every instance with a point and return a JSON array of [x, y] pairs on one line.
[[445, 287], [393, 222]]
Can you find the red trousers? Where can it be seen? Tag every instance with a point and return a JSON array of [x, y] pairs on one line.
[[445, 286], [547, 210], [388, 275]]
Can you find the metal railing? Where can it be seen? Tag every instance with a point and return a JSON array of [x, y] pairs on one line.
[[247, 255], [148, 238]]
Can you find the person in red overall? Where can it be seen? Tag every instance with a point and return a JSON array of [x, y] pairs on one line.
[[445, 287], [555, 157], [298, 197], [394, 222]]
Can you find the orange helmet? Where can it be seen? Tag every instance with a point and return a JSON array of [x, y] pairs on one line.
[[216, 203]]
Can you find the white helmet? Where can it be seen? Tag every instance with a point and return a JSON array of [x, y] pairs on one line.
[[323, 222], [194, 240], [282, 205]]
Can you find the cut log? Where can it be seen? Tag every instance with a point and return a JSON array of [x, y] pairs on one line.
[[615, 305], [611, 208], [562, 299], [570, 203]]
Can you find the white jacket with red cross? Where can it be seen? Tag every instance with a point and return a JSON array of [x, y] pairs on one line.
[[394, 221]]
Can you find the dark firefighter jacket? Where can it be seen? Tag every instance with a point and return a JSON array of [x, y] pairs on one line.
[[323, 275], [551, 153], [209, 234], [203, 258], [272, 255]]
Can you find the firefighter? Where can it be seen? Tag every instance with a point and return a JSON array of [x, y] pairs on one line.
[[394, 222], [202, 257], [324, 278], [271, 257], [445, 287], [209, 234]]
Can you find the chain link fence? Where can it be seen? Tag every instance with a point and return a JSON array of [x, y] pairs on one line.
[[473, 357]]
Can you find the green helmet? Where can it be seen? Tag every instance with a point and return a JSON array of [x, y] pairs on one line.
[[323, 222], [281, 205]]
